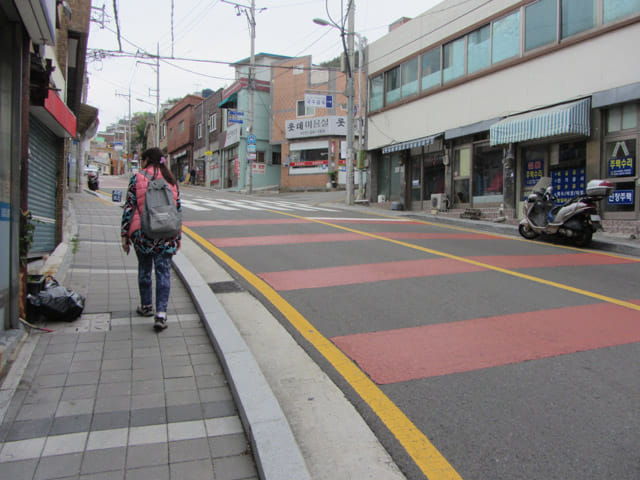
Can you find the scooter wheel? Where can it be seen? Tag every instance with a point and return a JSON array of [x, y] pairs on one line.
[[583, 238], [527, 232]]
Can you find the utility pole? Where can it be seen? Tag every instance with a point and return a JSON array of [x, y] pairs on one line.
[[350, 94], [158, 94], [128, 130], [251, 17]]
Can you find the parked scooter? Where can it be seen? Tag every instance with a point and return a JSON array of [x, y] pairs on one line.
[[576, 219], [92, 180]]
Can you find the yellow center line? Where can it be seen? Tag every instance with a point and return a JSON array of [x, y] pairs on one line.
[[418, 446], [426, 456], [476, 263]]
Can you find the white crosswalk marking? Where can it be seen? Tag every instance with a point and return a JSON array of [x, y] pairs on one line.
[[191, 205], [213, 203], [205, 204]]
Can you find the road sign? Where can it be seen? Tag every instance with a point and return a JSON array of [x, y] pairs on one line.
[[251, 139], [251, 156], [315, 100], [251, 148]]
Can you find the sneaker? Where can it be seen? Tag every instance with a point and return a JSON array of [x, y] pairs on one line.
[[160, 323], [145, 310]]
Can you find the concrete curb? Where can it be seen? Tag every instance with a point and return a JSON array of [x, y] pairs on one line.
[[276, 451]]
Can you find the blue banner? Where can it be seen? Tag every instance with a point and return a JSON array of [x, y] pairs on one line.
[[621, 167], [5, 212], [533, 171], [568, 183], [621, 197]]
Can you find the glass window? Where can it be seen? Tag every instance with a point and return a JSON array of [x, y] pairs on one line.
[[453, 60], [614, 9], [431, 69], [410, 77], [181, 126], [199, 130], [462, 163], [506, 37], [212, 122], [392, 85], [377, 93], [479, 49], [622, 118], [577, 16], [541, 23]]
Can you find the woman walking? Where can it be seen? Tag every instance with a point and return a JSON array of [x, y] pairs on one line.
[[150, 252]]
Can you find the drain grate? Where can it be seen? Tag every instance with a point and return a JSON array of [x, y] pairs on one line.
[[226, 287]]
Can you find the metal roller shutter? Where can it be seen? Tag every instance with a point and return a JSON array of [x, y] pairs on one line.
[[42, 184]]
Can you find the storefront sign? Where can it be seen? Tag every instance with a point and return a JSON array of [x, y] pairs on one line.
[[308, 163], [621, 167], [316, 127], [233, 135], [314, 100], [259, 168], [568, 183], [621, 197], [533, 171]]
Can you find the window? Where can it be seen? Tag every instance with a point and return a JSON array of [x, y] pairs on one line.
[[303, 110], [392, 85], [409, 77], [431, 69], [614, 9], [181, 126], [541, 24], [506, 38], [377, 93], [479, 49], [622, 118], [487, 172], [276, 158], [212, 122], [577, 16], [453, 60], [199, 130]]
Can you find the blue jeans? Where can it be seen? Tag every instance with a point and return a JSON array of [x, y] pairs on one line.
[[162, 262]]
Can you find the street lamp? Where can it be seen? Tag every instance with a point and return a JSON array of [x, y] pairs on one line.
[[349, 91]]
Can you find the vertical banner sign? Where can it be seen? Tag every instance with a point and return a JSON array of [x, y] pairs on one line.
[[533, 171]]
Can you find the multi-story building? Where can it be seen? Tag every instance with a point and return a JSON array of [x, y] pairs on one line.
[[477, 100], [236, 103], [180, 134], [207, 123], [42, 83], [310, 123]]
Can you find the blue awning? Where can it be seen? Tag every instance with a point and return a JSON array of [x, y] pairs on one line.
[[418, 142], [566, 119]]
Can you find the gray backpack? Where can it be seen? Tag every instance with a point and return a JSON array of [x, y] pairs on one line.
[[160, 217]]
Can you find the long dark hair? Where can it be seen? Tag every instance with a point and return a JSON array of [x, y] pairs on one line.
[[157, 160]]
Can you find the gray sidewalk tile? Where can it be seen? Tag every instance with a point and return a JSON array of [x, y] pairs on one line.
[[191, 470], [228, 445], [147, 455], [20, 470], [71, 424], [186, 450], [58, 466], [149, 473], [233, 468], [105, 460]]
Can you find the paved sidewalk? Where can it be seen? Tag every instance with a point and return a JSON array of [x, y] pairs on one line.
[[106, 397]]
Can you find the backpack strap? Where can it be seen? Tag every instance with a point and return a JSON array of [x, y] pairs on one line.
[[146, 174]]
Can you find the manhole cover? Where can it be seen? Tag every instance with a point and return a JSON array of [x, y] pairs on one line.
[[226, 287]]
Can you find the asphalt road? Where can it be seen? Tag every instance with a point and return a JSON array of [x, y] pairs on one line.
[[471, 355]]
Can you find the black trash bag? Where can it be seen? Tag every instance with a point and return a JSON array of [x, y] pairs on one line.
[[57, 303]]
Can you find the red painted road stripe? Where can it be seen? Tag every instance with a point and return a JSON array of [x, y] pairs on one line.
[[285, 239], [432, 350], [372, 272], [564, 260], [224, 242], [224, 223]]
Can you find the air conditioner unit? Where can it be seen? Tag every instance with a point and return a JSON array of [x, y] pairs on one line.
[[438, 201]]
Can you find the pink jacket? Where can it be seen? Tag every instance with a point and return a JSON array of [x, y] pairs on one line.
[[142, 183]]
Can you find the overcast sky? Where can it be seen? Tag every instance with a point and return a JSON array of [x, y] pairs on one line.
[[212, 30]]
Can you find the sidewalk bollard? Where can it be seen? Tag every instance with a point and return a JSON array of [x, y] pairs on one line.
[[116, 196]]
